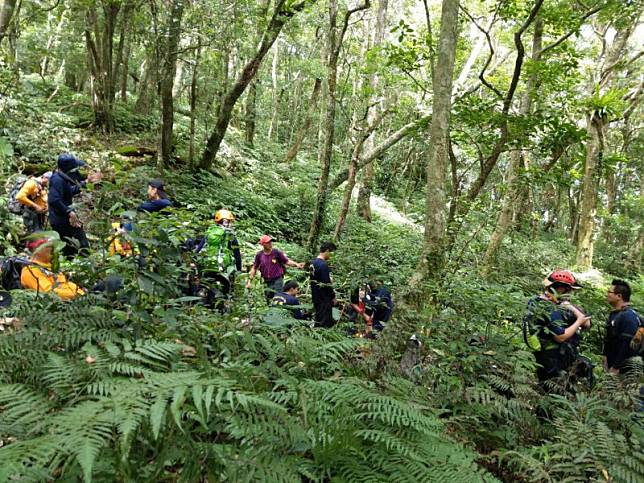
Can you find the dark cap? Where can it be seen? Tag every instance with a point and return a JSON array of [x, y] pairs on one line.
[[157, 183], [68, 162]]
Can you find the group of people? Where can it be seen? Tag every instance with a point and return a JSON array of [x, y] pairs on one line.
[[49, 199], [553, 328]]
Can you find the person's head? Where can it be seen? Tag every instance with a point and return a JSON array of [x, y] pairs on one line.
[[326, 249], [292, 288], [619, 293], [560, 283], [70, 165], [156, 190], [224, 218], [266, 242], [44, 178], [42, 249]]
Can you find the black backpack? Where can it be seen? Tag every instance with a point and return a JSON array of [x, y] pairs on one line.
[[637, 342], [10, 270]]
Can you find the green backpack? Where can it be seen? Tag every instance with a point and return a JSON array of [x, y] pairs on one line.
[[219, 255]]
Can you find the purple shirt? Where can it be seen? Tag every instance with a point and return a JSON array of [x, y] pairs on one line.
[[271, 265]]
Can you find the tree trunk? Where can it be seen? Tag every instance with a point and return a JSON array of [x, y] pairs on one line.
[[433, 251], [281, 16], [125, 72], [6, 14], [301, 133], [334, 44], [589, 188], [251, 112], [516, 161], [363, 204], [193, 106], [142, 105], [99, 33], [272, 128], [166, 81]]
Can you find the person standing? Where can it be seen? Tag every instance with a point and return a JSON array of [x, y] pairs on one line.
[[558, 324], [64, 185], [157, 197], [271, 262], [33, 196], [621, 326], [322, 292]]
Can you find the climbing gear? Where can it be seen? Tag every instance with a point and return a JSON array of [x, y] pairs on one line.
[[564, 277], [13, 205], [224, 215]]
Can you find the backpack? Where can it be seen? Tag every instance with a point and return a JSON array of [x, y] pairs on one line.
[[13, 204], [10, 271], [533, 324], [637, 342], [219, 255]]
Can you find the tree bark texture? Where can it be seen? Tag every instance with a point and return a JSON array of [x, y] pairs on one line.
[[99, 34], [280, 17], [589, 188], [6, 14], [433, 251], [167, 77]]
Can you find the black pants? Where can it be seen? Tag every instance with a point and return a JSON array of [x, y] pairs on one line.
[[323, 313], [75, 240]]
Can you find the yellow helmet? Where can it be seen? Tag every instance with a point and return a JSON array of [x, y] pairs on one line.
[[224, 215]]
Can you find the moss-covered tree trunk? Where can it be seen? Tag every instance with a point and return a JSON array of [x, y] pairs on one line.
[[433, 250]]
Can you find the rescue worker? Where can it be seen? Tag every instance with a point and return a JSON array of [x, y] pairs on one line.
[[33, 195], [288, 298], [322, 293], [220, 261], [559, 325], [64, 185], [38, 275], [157, 197], [271, 263]]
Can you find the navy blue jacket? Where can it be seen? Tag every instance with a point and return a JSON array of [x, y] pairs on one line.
[[283, 298], [384, 304], [321, 285], [154, 205], [60, 198], [620, 329]]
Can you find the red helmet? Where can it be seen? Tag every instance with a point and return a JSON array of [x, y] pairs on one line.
[[564, 277]]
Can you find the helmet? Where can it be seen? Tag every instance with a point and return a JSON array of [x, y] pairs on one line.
[[564, 277], [224, 215]]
